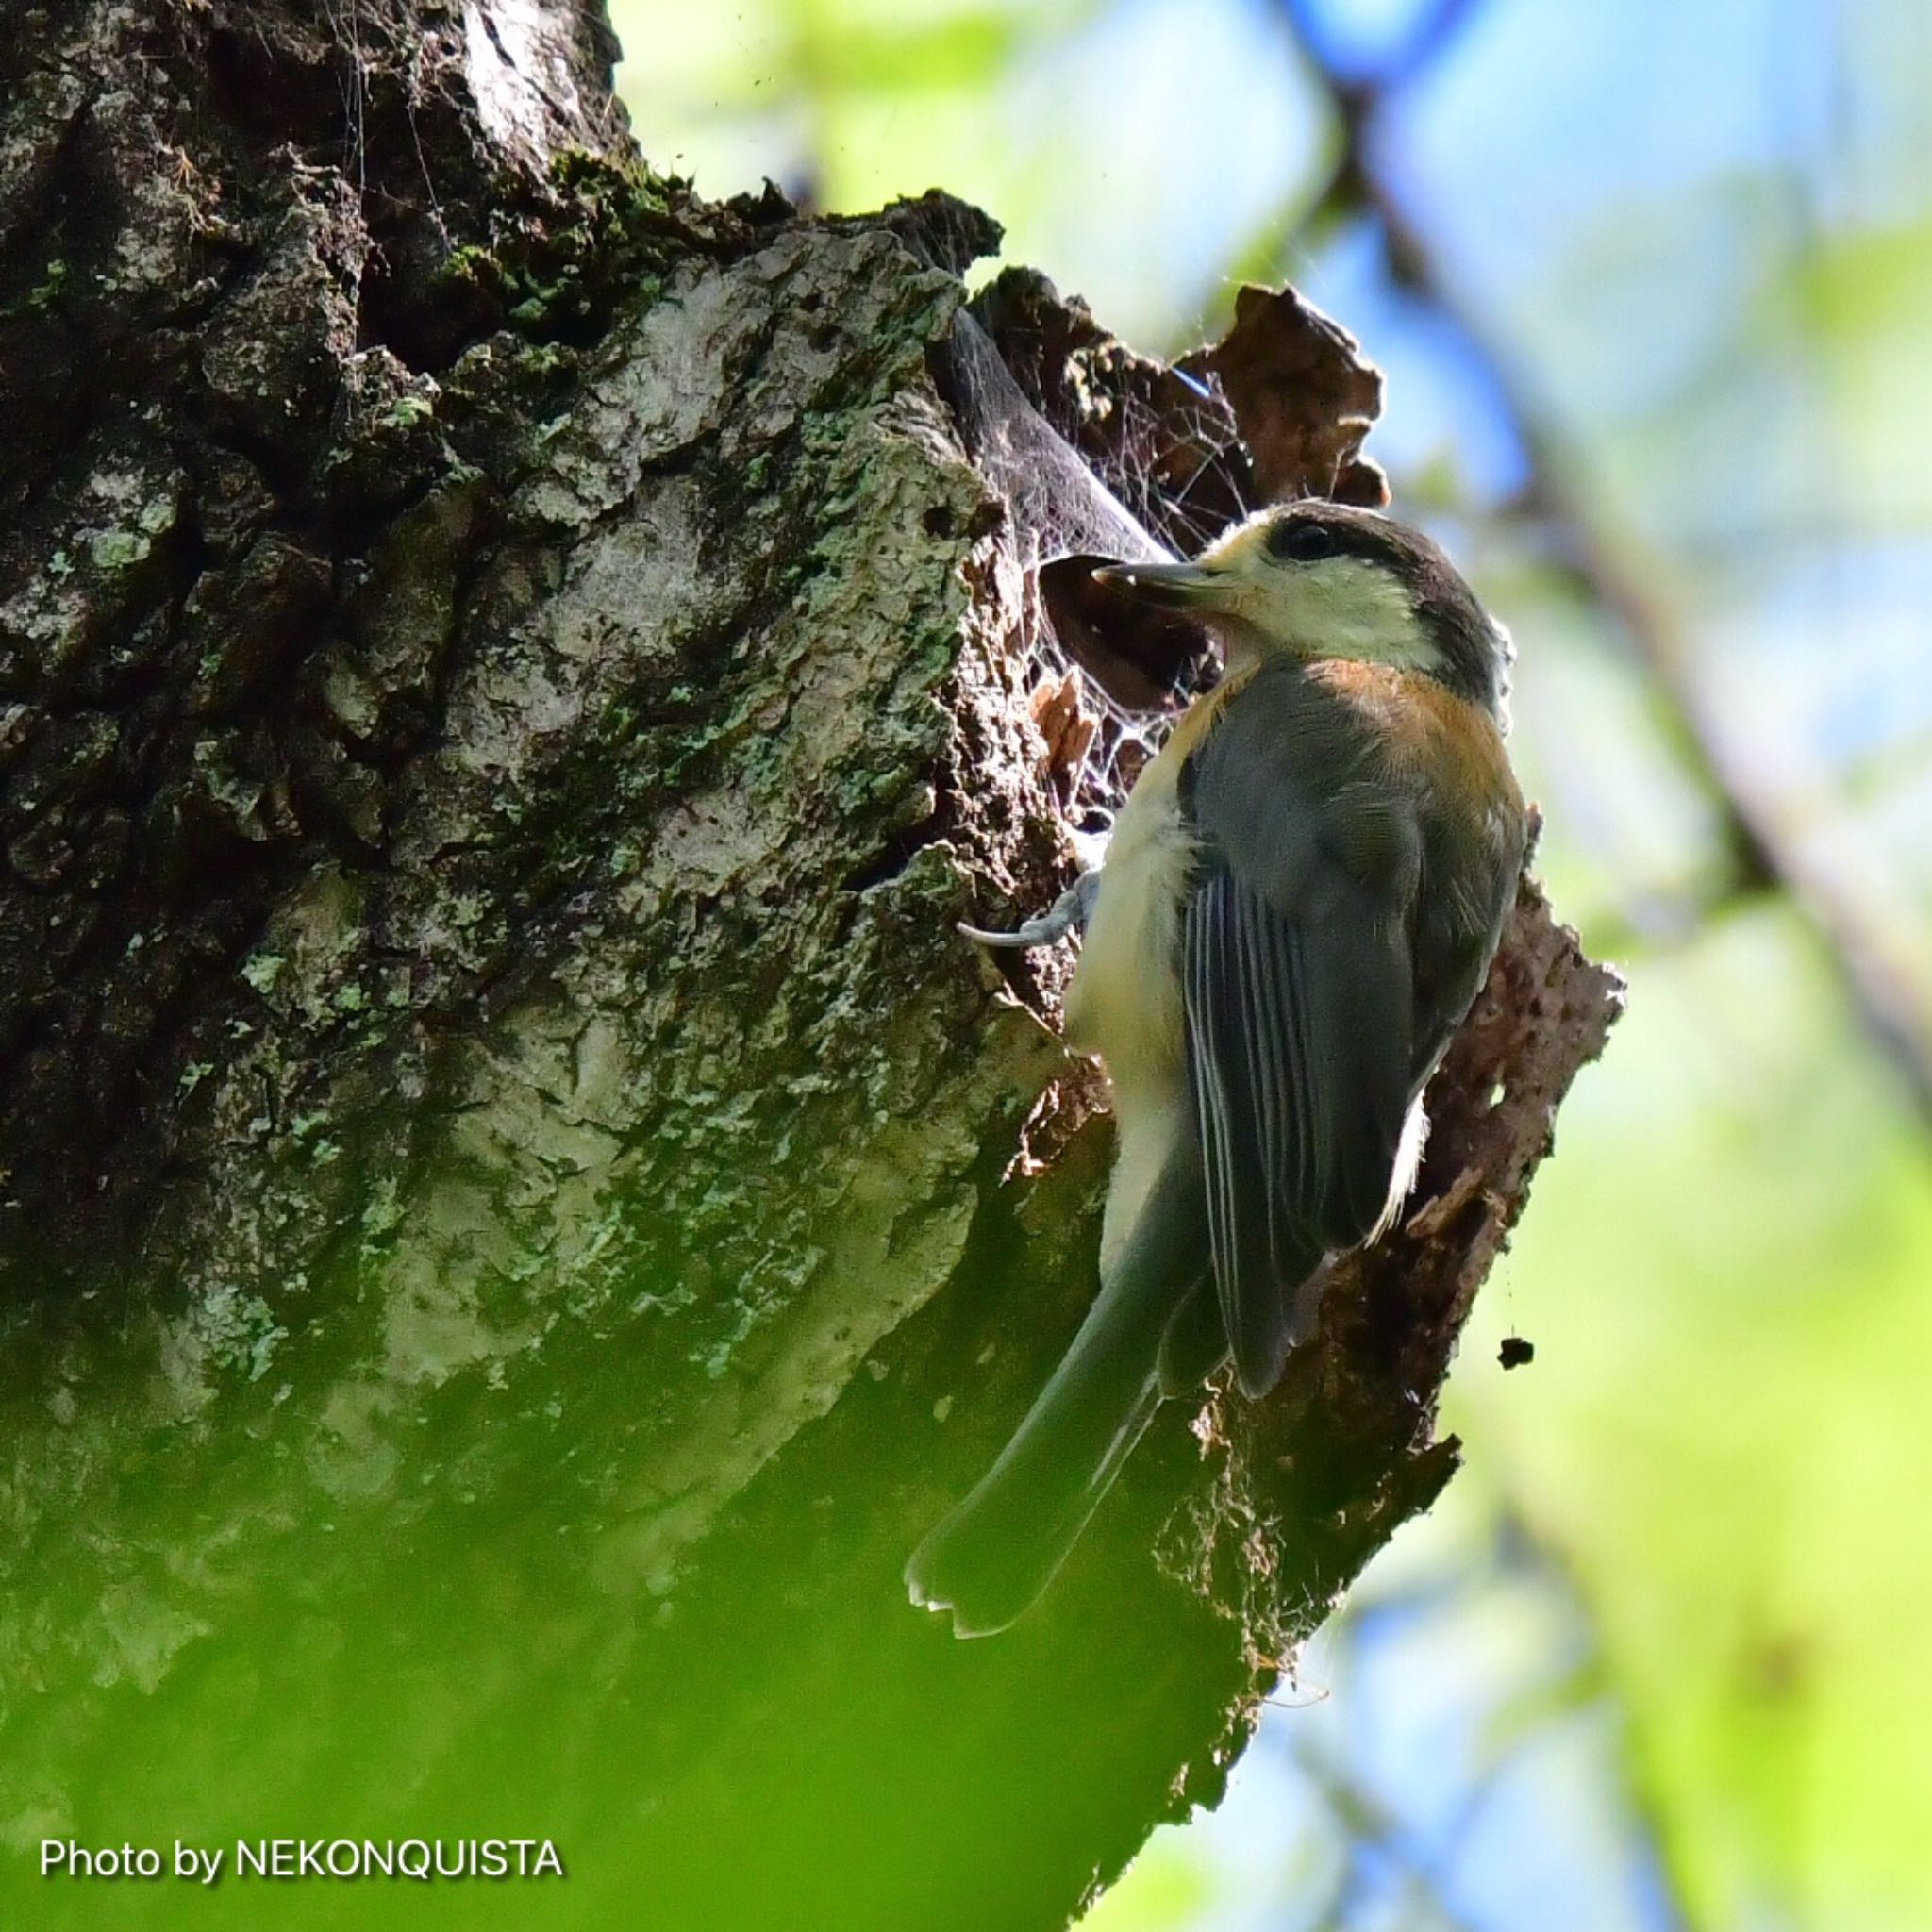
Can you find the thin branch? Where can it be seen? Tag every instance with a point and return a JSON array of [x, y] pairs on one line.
[[1426, 42]]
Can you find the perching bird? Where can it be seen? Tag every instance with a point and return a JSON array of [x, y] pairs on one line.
[[1299, 903]]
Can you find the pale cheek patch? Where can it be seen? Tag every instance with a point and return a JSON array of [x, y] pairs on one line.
[[1348, 608]]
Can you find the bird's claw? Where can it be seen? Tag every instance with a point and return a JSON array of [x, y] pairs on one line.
[[1069, 912]]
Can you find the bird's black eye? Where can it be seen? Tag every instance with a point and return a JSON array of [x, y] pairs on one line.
[[1297, 540]]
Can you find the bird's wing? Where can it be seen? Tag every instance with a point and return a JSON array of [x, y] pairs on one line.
[[1300, 994]]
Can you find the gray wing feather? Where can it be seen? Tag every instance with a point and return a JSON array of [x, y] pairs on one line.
[[1299, 992]]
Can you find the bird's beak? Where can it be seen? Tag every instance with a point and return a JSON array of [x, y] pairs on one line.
[[1172, 586]]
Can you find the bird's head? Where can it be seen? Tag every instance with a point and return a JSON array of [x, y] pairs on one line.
[[1326, 581]]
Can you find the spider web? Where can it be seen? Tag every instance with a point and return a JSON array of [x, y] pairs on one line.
[[1147, 489]]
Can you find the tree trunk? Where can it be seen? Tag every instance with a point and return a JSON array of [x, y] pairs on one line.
[[518, 1208]]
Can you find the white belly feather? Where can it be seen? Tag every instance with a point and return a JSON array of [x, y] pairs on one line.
[[1125, 1003]]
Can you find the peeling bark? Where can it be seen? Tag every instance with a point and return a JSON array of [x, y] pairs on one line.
[[517, 1209]]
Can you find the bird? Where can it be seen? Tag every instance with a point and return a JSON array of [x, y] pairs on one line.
[[1299, 902]]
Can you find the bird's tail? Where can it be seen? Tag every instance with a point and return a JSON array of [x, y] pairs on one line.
[[994, 1554]]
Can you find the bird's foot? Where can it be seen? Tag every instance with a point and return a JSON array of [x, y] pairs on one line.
[[1070, 911]]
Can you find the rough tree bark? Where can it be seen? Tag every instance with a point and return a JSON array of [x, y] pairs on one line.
[[517, 1208]]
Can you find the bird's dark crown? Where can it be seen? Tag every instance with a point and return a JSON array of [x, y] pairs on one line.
[[1326, 581], [1473, 652]]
